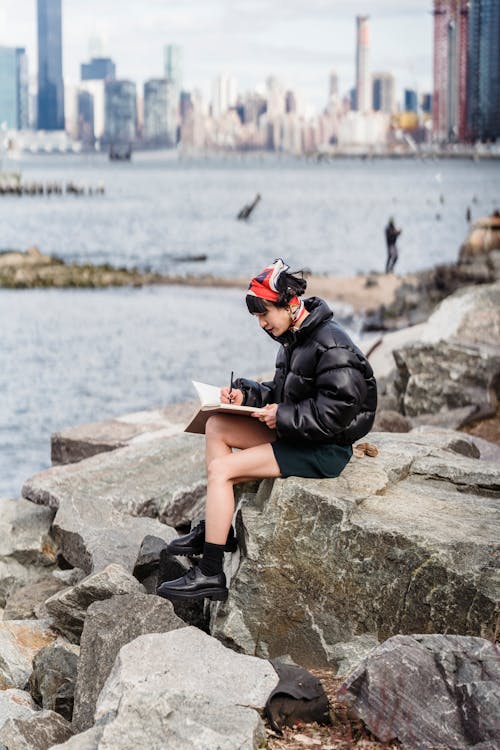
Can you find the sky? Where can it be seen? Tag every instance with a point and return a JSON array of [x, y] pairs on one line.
[[299, 41]]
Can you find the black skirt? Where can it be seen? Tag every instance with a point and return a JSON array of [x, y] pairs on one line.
[[310, 460]]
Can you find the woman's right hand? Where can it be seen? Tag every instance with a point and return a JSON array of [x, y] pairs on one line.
[[234, 396]]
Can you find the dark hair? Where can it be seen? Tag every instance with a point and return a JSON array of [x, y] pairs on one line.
[[289, 285]]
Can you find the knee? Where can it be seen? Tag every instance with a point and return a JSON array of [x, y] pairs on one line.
[[218, 470], [215, 426]]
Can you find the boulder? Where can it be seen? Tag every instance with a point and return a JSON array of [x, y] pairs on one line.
[[102, 500], [24, 533], [183, 690], [429, 691], [68, 608], [20, 641], [109, 625], [38, 732], [88, 740], [27, 551], [77, 443], [391, 421], [181, 721], [401, 543], [452, 374], [27, 602], [15, 704], [52, 682]]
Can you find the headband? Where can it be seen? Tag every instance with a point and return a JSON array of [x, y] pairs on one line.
[[265, 284]]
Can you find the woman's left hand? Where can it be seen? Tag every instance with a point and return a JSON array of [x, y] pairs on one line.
[[269, 417]]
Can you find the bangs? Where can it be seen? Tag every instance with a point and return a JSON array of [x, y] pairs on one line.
[[255, 304]]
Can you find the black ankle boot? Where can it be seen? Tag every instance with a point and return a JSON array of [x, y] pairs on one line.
[[192, 543], [195, 585]]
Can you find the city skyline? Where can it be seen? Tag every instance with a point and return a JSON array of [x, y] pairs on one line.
[[301, 42]]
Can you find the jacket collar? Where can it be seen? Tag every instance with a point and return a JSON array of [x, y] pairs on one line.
[[318, 311]]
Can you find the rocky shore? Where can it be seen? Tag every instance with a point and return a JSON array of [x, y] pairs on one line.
[[384, 583]]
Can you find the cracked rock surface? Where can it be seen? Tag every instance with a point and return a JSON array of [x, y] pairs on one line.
[[403, 543], [108, 503], [429, 691]]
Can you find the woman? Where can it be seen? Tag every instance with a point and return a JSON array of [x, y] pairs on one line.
[[322, 399]]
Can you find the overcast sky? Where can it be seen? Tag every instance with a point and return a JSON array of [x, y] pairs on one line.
[[299, 41]]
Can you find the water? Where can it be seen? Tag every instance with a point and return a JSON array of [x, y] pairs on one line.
[[70, 357], [328, 217]]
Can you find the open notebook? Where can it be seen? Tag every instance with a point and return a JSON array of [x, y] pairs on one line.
[[210, 404]]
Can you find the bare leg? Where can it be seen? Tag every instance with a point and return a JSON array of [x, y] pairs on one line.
[[224, 432], [256, 463], [255, 460]]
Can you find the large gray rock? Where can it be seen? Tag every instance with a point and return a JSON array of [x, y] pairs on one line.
[[76, 443], [38, 732], [52, 682], [429, 691], [102, 501], [27, 550], [27, 602], [109, 625], [20, 641], [402, 543], [183, 690], [181, 721], [450, 375], [68, 608], [191, 661], [15, 704], [88, 740]]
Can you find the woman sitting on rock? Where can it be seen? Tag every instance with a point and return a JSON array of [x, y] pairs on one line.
[[322, 399]]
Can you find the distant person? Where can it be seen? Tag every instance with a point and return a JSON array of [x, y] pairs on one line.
[[468, 215], [391, 236]]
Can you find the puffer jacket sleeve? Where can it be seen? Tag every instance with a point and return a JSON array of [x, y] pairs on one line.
[[256, 394], [340, 390]]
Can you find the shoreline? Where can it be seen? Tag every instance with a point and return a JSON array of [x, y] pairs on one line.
[[31, 269]]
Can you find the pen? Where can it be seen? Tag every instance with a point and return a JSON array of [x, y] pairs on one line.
[[231, 388]]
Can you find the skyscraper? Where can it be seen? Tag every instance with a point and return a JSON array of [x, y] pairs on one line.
[[224, 94], [173, 65], [363, 80], [449, 117], [483, 75], [121, 112], [160, 112], [14, 97], [50, 76], [411, 100], [333, 84], [98, 69], [384, 99]]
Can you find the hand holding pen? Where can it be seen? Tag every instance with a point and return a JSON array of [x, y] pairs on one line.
[[231, 395]]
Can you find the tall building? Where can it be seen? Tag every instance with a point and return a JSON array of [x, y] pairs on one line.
[[50, 75], [384, 93], [333, 84], [98, 69], [173, 65], [410, 100], [14, 93], [483, 75], [449, 116], [427, 103], [363, 80], [224, 94], [121, 112], [96, 90], [160, 112]]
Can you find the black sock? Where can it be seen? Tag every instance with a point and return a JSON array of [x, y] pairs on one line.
[[230, 535], [213, 556]]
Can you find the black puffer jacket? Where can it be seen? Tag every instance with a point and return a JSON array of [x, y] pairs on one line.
[[323, 383]]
